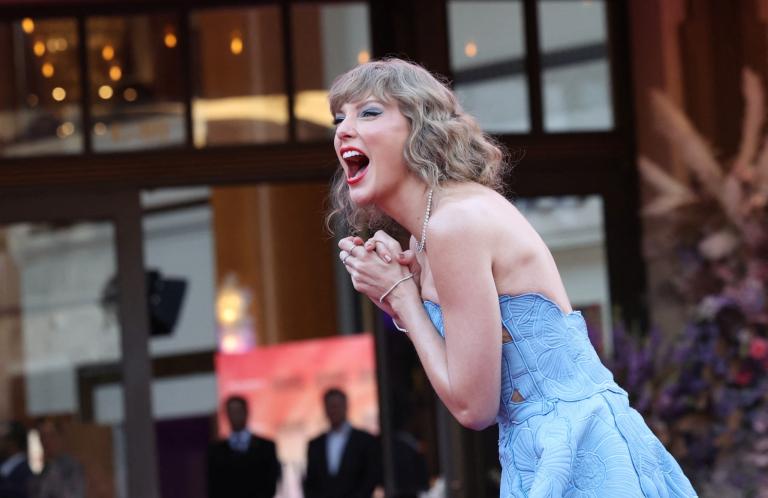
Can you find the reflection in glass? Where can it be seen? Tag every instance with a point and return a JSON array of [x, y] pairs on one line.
[[328, 40], [54, 334], [39, 88], [487, 51], [135, 75], [576, 70], [239, 89], [574, 230]]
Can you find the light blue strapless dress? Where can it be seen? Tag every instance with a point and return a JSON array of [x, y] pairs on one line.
[[565, 427]]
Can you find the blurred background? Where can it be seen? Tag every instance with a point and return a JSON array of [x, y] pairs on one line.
[[164, 169]]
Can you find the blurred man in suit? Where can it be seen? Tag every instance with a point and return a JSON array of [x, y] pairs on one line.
[[15, 473], [343, 462], [243, 465]]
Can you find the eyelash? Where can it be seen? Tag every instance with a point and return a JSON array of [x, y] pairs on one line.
[[365, 113]]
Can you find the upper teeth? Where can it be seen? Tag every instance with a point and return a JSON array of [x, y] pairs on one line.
[[351, 153]]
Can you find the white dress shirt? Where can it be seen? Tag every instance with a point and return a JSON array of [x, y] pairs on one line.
[[334, 447]]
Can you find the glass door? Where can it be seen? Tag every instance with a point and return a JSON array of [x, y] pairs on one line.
[[71, 302]]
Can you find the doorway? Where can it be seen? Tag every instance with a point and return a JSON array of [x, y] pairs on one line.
[[72, 297]]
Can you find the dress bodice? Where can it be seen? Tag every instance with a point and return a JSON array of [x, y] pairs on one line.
[[548, 358]]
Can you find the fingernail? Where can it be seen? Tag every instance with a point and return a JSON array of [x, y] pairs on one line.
[[386, 257]]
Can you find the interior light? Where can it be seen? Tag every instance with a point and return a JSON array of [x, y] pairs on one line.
[[28, 25], [129, 94], [100, 128], [170, 40], [363, 56], [470, 49], [236, 44], [58, 94], [105, 92], [115, 73], [65, 129], [39, 48], [32, 100], [47, 70], [108, 52]]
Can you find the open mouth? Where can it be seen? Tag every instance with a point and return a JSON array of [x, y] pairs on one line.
[[357, 163]]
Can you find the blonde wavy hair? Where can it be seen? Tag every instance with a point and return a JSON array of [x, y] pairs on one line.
[[444, 144]]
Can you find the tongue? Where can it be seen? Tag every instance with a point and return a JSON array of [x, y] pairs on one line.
[[360, 170]]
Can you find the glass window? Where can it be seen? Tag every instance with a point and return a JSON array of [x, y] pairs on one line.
[[574, 230], [57, 331], [576, 71], [238, 70], [136, 81], [487, 53], [39, 88], [327, 41]]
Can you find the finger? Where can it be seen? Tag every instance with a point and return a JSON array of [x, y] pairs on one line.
[[351, 251], [348, 243], [343, 256], [381, 250], [406, 257], [383, 238]]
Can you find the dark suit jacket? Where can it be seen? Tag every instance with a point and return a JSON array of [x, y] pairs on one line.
[[16, 485], [250, 474], [359, 469]]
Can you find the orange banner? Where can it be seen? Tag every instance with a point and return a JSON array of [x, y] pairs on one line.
[[284, 385]]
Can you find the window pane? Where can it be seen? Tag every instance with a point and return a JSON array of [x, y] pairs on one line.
[[327, 40], [487, 50], [576, 70], [573, 228], [239, 77], [59, 334], [39, 88], [135, 74]]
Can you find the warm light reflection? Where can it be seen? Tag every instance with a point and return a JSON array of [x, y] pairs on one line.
[[65, 129], [47, 70], [100, 128], [105, 92], [267, 108], [230, 306], [232, 343], [39, 48], [170, 40], [56, 44], [470, 49], [115, 73], [32, 100], [236, 44], [312, 106], [108, 52], [130, 95], [363, 57], [28, 25], [58, 94]]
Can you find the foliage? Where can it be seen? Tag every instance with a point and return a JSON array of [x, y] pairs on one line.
[[704, 389]]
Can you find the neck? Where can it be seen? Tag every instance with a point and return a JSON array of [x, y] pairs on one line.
[[407, 206]]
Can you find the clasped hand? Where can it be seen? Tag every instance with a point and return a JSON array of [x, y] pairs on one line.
[[377, 264]]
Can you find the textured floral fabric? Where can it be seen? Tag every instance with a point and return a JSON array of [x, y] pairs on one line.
[[565, 427]]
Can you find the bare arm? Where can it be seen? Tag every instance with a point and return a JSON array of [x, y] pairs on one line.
[[465, 368]]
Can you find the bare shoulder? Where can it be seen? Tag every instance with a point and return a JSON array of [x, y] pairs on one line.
[[475, 214]]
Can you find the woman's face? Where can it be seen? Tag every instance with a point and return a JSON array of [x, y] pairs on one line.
[[369, 141]]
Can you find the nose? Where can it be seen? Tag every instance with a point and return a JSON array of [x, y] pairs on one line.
[[346, 129]]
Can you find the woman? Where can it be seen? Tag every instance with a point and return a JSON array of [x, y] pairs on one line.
[[479, 294]]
